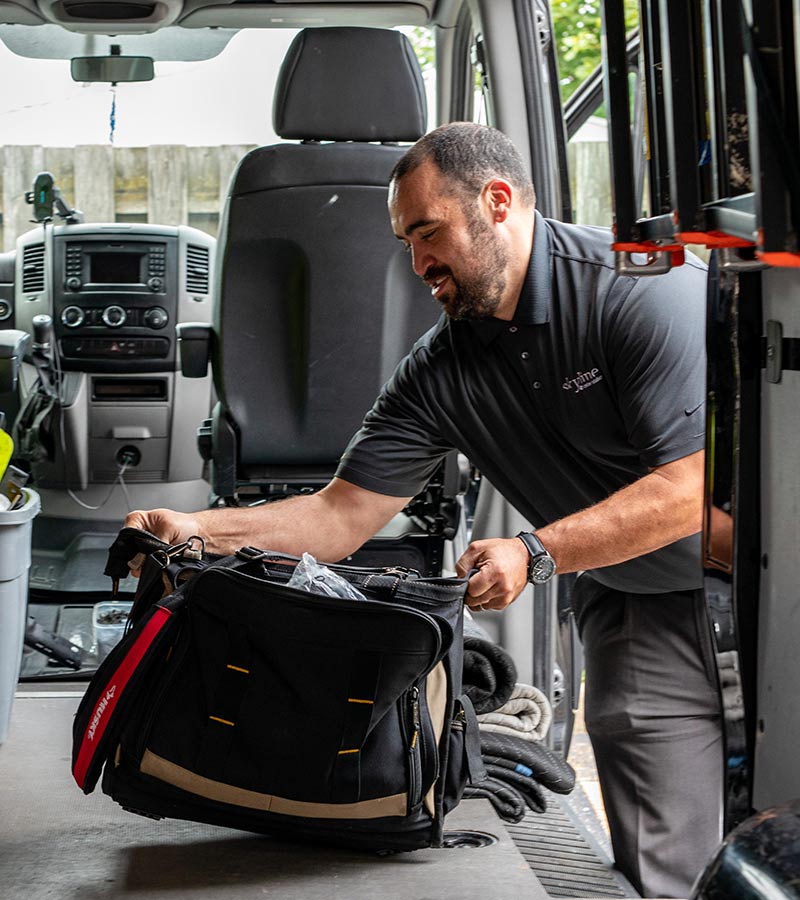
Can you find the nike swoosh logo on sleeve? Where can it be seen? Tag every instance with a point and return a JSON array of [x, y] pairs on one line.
[[690, 411]]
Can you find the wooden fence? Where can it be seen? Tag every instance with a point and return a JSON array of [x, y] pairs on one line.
[[179, 185], [167, 184], [590, 182]]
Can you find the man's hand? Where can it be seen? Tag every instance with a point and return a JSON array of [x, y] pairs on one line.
[[167, 524], [502, 565]]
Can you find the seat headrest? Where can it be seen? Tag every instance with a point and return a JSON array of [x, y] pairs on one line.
[[350, 84]]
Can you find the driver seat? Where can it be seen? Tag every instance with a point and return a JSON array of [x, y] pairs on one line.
[[316, 302]]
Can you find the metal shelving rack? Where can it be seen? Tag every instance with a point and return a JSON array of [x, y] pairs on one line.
[[721, 90]]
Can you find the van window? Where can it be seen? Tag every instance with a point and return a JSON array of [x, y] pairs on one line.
[[424, 44], [577, 33]]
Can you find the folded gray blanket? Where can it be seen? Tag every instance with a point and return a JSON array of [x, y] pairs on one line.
[[527, 714], [489, 673]]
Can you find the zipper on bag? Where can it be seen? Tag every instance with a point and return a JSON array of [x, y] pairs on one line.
[[252, 554], [414, 750]]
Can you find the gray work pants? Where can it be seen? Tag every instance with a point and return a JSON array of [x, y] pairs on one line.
[[653, 716]]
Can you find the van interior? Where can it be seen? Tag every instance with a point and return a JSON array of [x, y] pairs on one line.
[[200, 296]]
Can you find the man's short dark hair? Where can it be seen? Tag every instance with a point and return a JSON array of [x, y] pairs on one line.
[[469, 155]]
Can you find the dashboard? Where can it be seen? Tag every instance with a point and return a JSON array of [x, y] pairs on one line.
[[114, 292]]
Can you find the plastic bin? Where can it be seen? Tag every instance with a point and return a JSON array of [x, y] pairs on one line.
[[15, 561], [110, 618]]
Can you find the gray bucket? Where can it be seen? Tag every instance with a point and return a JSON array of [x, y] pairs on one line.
[[15, 561]]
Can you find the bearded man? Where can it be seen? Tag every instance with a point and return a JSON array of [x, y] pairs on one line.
[[579, 393]]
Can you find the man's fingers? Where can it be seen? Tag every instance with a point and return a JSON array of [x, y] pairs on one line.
[[135, 519], [480, 585], [501, 572], [166, 524], [467, 562], [485, 592]]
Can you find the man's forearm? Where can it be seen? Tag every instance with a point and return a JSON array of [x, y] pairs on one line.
[[329, 524], [654, 511], [295, 525]]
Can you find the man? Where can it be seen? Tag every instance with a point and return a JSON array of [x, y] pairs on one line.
[[579, 394]]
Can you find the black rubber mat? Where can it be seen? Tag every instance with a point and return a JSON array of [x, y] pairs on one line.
[[565, 856]]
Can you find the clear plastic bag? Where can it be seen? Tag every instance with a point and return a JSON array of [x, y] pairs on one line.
[[311, 576]]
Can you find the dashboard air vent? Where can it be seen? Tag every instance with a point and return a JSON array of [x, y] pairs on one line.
[[33, 268], [197, 269]]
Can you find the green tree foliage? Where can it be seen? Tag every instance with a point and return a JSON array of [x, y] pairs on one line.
[[576, 25], [424, 46]]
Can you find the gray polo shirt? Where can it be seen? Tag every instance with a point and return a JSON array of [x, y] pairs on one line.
[[598, 378]]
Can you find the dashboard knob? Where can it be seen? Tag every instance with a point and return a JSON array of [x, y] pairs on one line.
[[156, 317], [114, 316], [155, 284], [73, 316], [73, 283]]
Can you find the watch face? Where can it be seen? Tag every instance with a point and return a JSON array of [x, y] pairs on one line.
[[543, 569]]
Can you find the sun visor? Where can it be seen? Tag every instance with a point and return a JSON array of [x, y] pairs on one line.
[[116, 16]]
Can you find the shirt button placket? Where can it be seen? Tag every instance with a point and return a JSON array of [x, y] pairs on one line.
[[525, 357]]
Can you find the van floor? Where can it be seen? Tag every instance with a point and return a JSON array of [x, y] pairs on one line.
[[54, 842]]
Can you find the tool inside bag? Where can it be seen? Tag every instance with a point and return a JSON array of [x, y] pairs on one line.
[[238, 699]]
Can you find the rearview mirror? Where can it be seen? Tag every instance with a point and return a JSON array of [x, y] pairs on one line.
[[112, 68]]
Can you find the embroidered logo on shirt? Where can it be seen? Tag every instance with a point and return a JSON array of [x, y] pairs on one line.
[[582, 380]]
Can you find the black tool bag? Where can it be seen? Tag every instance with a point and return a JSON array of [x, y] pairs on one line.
[[239, 701]]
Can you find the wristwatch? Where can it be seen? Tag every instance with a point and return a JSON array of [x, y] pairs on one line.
[[541, 566]]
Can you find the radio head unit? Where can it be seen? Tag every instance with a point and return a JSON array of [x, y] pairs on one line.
[[102, 265], [115, 297]]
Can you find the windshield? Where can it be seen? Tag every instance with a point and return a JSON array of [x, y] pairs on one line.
[[227, 98], [160, 151]]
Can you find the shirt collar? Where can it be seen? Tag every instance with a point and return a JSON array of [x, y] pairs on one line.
[[533, 307]]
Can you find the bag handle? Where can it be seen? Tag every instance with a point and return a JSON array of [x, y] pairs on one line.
[[131, 543]]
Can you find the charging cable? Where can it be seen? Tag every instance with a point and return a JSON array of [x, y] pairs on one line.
[[119, 480]]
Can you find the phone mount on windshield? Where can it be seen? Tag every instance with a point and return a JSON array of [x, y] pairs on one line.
[[45, 196]]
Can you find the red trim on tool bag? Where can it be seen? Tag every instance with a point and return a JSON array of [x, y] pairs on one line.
[[105, 706]]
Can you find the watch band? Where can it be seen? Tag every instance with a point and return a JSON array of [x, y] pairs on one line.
[[541, 565], [534, 545]]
